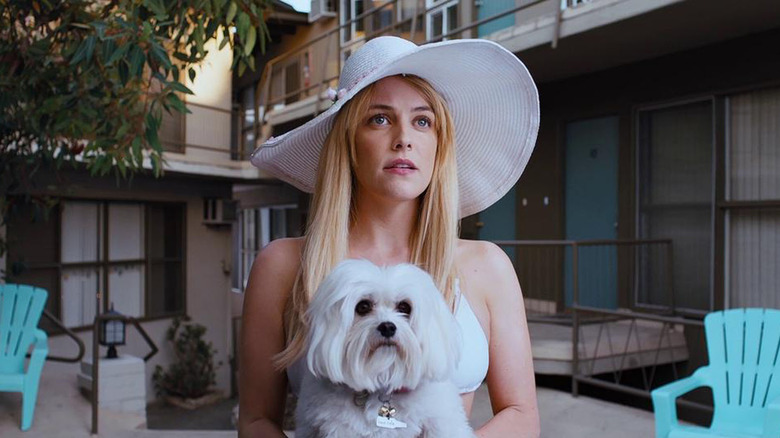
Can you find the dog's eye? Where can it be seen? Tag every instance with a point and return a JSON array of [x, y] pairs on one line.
[[404, 308], [363, 308]]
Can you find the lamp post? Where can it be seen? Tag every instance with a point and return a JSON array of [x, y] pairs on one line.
[[112, 331]]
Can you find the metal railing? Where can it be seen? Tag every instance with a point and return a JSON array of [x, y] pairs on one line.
[[639, 275], [332, 50], [631, 274], [69, 333]]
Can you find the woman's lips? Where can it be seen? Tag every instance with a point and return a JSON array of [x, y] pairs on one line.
[[399, 170], [401, 167]]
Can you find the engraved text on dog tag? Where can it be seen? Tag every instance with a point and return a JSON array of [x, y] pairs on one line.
[[389, 423]]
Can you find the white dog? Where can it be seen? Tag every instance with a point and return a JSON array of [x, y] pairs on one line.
[[382, 344]]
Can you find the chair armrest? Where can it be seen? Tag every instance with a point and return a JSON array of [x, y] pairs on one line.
[[665, 397], [772, 419], [41, 340], [39, 353]]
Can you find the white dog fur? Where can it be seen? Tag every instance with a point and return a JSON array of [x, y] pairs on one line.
[[348, 354]]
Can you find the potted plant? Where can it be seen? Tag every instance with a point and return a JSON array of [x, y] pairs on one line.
[[188, 381]]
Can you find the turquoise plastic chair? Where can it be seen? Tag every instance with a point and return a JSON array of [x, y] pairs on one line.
[[744, 374], [20, 309]]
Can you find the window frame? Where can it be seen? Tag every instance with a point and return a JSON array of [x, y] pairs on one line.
[[238, 284], [102, 266], [434, 7], [715, 229]]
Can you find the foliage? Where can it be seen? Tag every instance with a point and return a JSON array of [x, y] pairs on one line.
[[85, 81], [192, 372]]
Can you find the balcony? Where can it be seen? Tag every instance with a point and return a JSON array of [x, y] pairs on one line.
[[555, 38]]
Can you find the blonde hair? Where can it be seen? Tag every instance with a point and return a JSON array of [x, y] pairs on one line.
[[434, 236]]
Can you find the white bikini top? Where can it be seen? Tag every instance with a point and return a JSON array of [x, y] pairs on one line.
[[474, 359]]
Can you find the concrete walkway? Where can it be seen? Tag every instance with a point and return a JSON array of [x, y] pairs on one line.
[[62, 412]]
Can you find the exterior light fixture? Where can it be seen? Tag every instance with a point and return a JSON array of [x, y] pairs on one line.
[[112, 331]]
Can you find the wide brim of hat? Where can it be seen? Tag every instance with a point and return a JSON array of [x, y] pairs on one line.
[[493, 101]]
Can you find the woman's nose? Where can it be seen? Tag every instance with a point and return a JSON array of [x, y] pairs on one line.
[[402, 140], [400, 145]]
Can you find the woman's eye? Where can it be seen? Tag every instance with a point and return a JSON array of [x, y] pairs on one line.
[[404, 307], [379, 119], [363, 307], [424, 122]]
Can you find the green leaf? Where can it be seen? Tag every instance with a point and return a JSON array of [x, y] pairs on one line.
[[231, 13], [242, 25], [211, 27], [224, 41], [90, 47], [123, 129], [152, 122], [139, 156], [117, 53], [176, 86], [79, 55], [159, 53], [250, 41], [177, 104], [191, 74], [120, 163], [124, 72], [137, 60], [147, 29], [156, 7], [182, 57]]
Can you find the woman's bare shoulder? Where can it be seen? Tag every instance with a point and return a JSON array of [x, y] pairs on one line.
[[276, 267], [284, 254], [480, 255], [485, 266]]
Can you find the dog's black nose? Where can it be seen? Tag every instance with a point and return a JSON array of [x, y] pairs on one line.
[[387, 329]]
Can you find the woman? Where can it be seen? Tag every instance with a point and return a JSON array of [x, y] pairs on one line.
[[388, 189]]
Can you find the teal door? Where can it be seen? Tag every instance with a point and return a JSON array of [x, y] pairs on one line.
[[591, 208], [499, 221], [488, 8]]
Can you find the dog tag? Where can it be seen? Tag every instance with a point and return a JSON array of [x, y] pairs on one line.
[[389, 423]]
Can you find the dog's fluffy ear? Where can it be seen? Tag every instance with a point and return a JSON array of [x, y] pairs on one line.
[[330, 316], [436, 328]]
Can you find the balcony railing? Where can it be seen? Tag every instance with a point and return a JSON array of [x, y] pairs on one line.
[[323, 55], [617, 296]]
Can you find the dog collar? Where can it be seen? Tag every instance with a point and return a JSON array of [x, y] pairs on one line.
[[360, 397]]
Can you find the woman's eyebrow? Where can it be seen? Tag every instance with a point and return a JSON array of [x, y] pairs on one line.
[[390, 108]]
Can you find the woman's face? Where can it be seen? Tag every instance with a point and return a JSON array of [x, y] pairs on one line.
[[395, 142]]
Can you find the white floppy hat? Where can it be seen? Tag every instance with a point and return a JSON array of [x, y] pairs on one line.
[[489, 92]]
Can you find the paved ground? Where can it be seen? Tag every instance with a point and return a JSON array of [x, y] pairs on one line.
[[62, 412]]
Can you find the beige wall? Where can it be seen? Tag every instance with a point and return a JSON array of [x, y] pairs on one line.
[[208, 303], [207, 127]]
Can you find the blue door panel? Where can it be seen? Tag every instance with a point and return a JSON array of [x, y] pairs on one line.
[[591, 208]]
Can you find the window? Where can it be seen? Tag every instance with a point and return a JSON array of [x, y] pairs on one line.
[[753, 181], [352, 30], [406, 16], [441, 20], [247, 123], [257, 228], [132, 253], [381, 19], [676, 199]]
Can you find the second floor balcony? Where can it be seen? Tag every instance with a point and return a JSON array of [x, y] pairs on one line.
[[556, 39]]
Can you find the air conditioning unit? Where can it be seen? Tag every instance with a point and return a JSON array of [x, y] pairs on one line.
[[218, 211], [322, 9]]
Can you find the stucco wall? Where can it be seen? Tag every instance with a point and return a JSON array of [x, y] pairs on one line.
[[208, 303]]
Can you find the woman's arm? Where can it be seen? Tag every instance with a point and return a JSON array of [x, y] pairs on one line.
[[263, 389], [510, 375]]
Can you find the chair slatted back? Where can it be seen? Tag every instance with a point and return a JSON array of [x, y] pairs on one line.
[[744, 354], [20, 309]]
